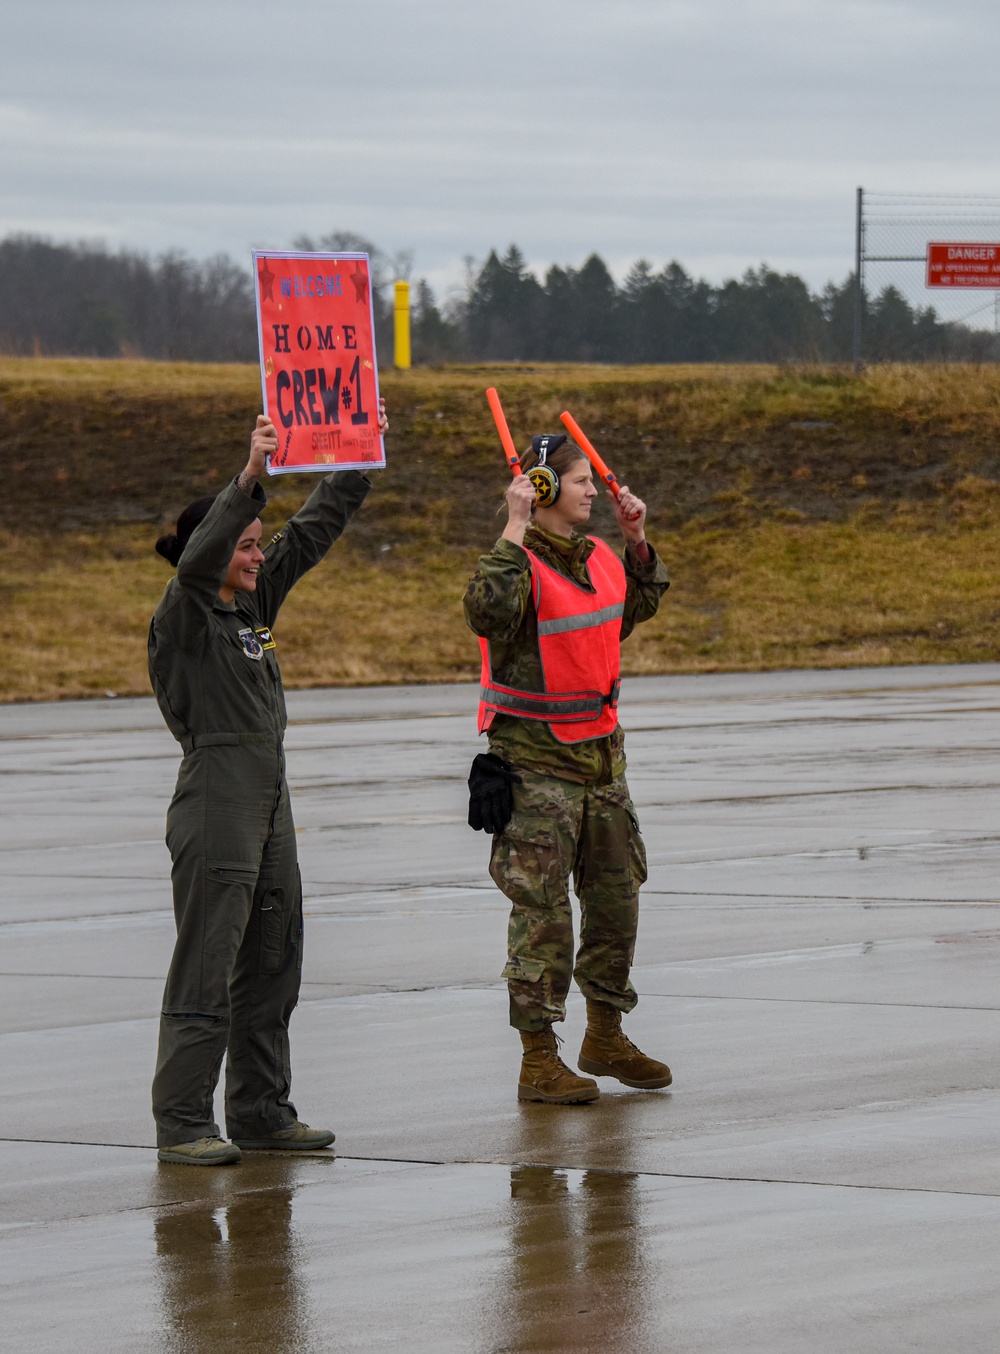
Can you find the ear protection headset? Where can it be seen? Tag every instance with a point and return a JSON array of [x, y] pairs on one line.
[[542, 476]]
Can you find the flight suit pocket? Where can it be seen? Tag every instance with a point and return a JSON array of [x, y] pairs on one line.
[[231, 872], [215, 929], [298, 920], [270, 924]]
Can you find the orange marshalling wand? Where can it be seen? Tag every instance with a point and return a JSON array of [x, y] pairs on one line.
[[513, 460], [581, 440]]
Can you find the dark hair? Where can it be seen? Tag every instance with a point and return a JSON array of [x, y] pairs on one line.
[[560, 460], [171, 546]]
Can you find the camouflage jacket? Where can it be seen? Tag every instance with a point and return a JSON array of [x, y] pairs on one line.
[[499, 608]]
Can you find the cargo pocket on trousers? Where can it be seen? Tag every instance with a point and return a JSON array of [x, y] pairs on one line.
[[523, 855], [523, 970], [270, 928], [637, 868]]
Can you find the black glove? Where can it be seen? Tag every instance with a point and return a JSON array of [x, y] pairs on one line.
[[491, 800]]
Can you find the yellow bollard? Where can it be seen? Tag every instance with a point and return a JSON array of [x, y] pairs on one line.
[[402, 326]]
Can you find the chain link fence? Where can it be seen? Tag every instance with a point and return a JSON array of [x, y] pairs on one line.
[[893, 231]]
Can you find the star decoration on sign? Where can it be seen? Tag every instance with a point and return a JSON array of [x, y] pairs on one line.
[[266, 281], [360, 279]]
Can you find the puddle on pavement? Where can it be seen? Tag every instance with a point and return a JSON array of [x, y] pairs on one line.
[[569, 1271]]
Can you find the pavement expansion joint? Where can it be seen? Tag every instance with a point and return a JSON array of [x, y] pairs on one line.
[[447, 1163], [685, 1175], [815, 1001], [353, 719], [826, 792], [99, 977], [813, 898], [77, 848], [81, 1142]]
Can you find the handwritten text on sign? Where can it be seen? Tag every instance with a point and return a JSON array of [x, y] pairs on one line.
[[963, 264], [319, 376]]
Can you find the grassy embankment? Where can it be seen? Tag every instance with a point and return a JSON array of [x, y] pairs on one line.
[[808, 517]]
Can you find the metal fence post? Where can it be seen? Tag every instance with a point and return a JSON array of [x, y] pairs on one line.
[[859, 283]]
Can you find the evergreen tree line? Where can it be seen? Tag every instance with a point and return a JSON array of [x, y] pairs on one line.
[[82, 299]]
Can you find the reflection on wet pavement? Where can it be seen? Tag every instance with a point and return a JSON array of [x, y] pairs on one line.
[[227, 1274], [233, 1271], [576, 1277]]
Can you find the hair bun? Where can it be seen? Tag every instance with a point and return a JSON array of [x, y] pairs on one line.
[[170, 548]]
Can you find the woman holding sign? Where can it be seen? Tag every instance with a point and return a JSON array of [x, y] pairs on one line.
[[551, 606], [234, 976]]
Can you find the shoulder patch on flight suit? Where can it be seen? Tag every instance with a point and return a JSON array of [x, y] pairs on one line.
[[277, 537], [252, 646], [266, 638]]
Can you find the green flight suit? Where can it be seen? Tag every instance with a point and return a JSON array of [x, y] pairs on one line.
[[233, 981], [573, 816]]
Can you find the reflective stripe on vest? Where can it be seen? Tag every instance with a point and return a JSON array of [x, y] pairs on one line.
[[565, 708], [578, 649], [583, 621]]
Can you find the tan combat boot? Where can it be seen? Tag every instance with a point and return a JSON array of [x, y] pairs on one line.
[[544, 1075], [606, 1052]]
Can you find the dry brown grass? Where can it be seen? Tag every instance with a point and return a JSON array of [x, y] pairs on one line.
[[78, 377], [809, 517], [833, 595], [772, 596]]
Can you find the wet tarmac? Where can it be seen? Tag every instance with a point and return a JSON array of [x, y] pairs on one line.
[[818, 961]]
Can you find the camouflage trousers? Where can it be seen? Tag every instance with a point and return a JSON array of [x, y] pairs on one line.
[[558, 830]]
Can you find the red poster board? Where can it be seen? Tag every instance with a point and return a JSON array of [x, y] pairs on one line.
[[963, 264], [318, 373]]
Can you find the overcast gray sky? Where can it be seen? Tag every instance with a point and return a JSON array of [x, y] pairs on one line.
[[721, 133]]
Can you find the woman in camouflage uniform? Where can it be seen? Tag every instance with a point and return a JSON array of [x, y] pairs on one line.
[[572, 814]]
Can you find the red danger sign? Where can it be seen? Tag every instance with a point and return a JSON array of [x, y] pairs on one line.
[[963, 264]]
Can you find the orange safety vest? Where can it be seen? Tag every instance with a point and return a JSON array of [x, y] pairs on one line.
[[579, 646]]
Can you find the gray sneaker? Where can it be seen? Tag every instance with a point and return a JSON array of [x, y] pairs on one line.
[[201, 1152], [299, 1138]]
